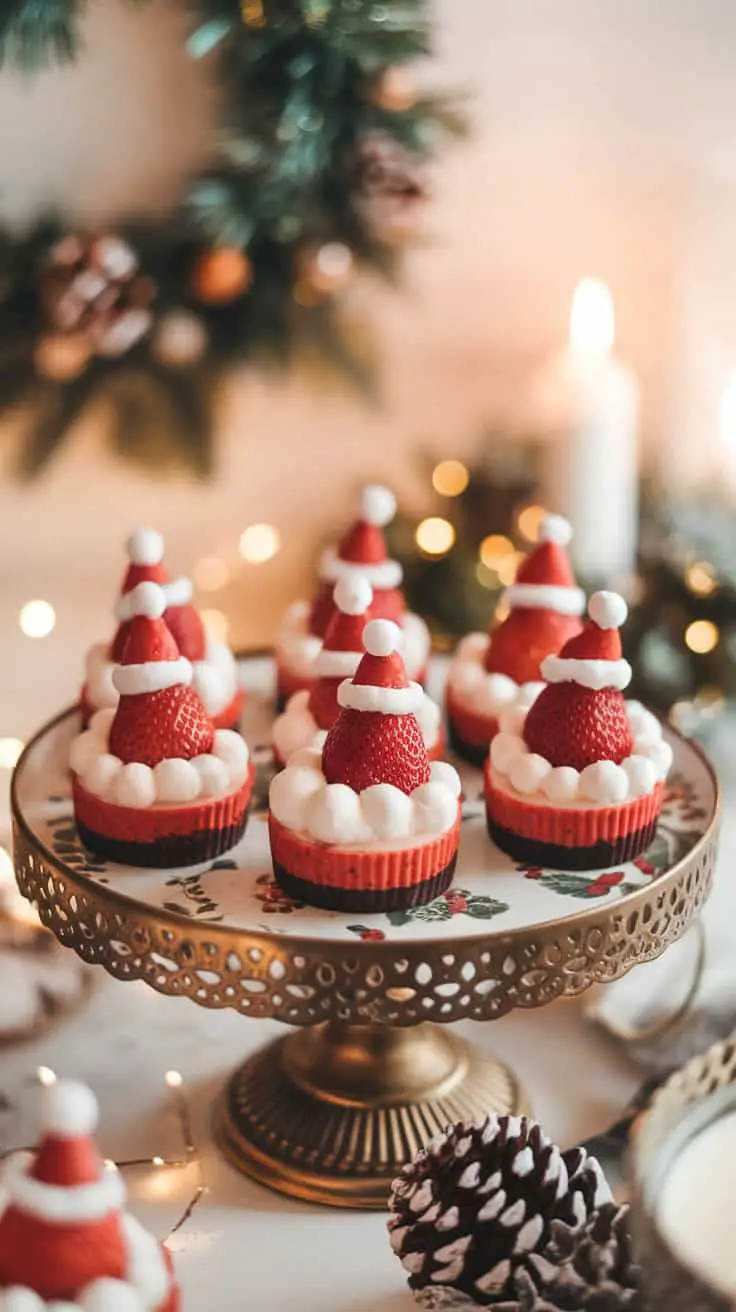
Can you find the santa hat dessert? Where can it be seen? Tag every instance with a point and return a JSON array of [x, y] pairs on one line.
[[575, 780], [361, 553], [65, 1241], [312, 711], [214, 669], [367, 823], [154, 783], [488, 672]]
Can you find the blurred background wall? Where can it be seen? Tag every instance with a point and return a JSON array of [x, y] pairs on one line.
[[604, 142]]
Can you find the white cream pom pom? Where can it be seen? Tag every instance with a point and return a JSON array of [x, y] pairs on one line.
[[108, 1295], [561, 784], [290, 792], [335, 815], [555, 528], [176, 780], [20, 1299], [641, 774], [68, 1110], [134, 785], [310, 757], [145, 547], [100, 777], [604, 782], [377, 505], [83, 751], [148, 599], [435, 808], [441, 772], [527, 773], [381, 637], [231, 748], [388, 811], [505, 748], [608, 610], [353, 595], [214, 775]]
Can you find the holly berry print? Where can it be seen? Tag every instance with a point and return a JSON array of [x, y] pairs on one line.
[[580, 886], [455, 902]]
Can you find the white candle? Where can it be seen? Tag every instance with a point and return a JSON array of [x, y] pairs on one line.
[[696, 1209], [587, 403]]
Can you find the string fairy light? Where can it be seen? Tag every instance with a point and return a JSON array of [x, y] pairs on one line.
[[189, 1155], [37, 619], [435, 536], [450, 478]]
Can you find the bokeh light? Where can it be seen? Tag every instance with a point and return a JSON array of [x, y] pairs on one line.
[[529, 521], [700, 580], [702, 636], [494, 549], [507, 568], [37, 619], [435, 536], [450, 478], [259, 543]]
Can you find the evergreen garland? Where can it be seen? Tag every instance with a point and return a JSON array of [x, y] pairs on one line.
[[323, 134]]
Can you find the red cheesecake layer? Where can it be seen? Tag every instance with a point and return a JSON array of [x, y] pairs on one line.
[[385, 876], [129, 824], [570, 837]]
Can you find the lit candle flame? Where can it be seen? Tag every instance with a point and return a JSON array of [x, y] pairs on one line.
[[727, 415], [592, 319]]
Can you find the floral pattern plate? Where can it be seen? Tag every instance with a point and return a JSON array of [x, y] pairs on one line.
[[489, 892]]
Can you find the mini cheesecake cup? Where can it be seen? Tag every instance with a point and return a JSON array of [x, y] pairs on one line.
[[162, 836], [350, 879], [570, 838], [470, 733]]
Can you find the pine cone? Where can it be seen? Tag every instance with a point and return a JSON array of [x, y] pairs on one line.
[[481, 1197], [91, 290], [586, 1270]]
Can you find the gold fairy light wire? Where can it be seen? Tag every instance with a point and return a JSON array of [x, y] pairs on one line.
[[174, 1082]]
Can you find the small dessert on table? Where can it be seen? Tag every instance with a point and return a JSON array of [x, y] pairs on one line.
[[66, 1242], [362, 552], [489, 672], [154, 783], [312, 711], [576, 779], [215, 675], [367, 823]]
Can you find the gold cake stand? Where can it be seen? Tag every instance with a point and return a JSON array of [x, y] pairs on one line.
[[367, 1075]]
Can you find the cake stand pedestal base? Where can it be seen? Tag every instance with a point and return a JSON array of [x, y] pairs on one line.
[[331, 1113]]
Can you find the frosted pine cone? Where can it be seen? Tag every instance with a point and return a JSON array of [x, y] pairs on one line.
[[481, 1197], [92, 289]]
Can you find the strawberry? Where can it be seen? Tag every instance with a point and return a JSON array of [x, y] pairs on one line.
[[572, 725], [323, 702], [366, 747], [519, 645], [186, 625], [387, 604], [156, 726]]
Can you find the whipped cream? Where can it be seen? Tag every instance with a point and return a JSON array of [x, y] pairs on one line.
[[215, 679], [173, 782], [476, 690], [297, 649], [602, 784], [297, 727], [381, 816]]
